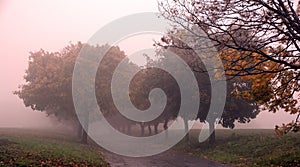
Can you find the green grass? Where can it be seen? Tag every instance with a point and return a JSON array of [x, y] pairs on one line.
[[235, 147], [247, 148], [40, 148]]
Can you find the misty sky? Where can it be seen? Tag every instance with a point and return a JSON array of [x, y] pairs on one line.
[[32, 24]]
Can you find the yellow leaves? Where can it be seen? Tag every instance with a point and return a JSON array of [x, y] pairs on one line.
[[251, 68], [284, 129], [235, 91], [256, 55], [244, 64], [271, 85], [279, 132], [245, 94], [247, 64]]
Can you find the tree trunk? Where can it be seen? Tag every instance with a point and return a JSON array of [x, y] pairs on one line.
[[85, 129], [142, 129], [79, 130], [156, 128], [186, 130], [149, 128], [166, 127], [84, 137], [212, 137], [129, 129], [123, 128]]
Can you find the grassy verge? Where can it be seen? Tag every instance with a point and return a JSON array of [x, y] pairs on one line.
[[29, 148], [247, 148]]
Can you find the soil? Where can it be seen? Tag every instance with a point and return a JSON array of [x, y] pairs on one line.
[[169, 158]]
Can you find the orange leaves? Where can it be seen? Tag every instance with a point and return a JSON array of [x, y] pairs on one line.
[[48, 79], [279, 132], [284, 129], [249, 66], [271, 85], [292, 126]]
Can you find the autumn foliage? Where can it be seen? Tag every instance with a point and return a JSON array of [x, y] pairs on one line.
[[257, 40]]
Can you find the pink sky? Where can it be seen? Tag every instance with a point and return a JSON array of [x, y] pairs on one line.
[[33, 24]]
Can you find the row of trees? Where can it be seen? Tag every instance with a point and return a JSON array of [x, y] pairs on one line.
[[236, 108], [257, 40], [48, 88]]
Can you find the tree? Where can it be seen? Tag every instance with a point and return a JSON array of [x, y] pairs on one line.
[[148, 79], [103, 81], [258, 40], [236, 109], [48, 84]]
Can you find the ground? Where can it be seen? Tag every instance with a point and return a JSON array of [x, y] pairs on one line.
[[36, 147], [247, 147], [33, 147], [170, 158]]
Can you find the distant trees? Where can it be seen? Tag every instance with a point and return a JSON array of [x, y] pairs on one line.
[[48, 79], [236, 108], [257, 40], [148, 79], [48, 83], [48, 88]]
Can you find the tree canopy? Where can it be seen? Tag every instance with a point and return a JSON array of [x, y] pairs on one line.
[[257, 40], [237, 109], [48, 79]]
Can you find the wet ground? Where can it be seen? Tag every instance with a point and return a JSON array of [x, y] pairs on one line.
[[170, 158]]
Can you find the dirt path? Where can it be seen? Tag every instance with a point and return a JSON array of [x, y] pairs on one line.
[[167, 159]]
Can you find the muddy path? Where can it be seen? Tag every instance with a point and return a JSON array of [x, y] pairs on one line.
[[170, 158]]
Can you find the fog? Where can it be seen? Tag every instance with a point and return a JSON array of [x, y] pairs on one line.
[[30, 25]]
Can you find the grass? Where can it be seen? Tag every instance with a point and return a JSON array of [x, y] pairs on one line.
[[44, 148], [236, 147], [247, 148]]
